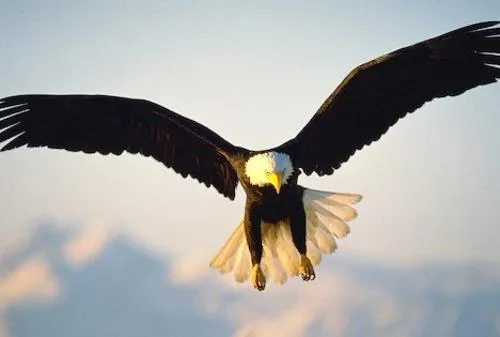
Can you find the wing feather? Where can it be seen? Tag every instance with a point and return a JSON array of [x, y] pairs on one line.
[[111, 124], [375, 95]]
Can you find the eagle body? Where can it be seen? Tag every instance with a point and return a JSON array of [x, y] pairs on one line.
[[269, 207], [286, 228], [283, 232]]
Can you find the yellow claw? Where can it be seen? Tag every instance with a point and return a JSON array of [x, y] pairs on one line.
[[258, 278], [306, 269]]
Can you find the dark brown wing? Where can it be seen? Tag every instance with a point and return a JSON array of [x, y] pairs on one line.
[[109, 124], [378, 93]]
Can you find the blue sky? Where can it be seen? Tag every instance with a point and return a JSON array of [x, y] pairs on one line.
[[255, 73]]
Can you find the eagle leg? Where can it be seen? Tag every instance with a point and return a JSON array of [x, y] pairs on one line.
[[253, 233], [306, 269], [258, 278]]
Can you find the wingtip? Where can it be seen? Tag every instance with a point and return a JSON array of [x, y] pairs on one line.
[[473, 28], [10, 101], [6, 99], [483, 25]]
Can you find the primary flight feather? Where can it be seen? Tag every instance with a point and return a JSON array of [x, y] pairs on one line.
[[286, 228]]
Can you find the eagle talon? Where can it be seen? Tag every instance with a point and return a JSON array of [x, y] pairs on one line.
[[306, 269], [258, 278]]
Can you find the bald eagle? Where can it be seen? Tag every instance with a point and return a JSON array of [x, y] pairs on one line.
[[286, 227]]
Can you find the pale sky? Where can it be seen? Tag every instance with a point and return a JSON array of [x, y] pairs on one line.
[[255, 72]]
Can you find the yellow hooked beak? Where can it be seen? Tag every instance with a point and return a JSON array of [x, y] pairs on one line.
[[275, 180]]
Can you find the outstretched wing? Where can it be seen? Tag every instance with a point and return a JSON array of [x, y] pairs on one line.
[[376, 94], [110, 124]]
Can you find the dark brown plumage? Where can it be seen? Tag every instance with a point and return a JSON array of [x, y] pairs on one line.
[[376, 94], [108, 124]]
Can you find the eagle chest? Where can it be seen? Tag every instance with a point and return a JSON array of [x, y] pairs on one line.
[[274, 207]]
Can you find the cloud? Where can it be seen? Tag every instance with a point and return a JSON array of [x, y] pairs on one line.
[[292, 323], [343, 299], [289, 310], [11, 243], [87, 244], [293, 309], [188, 270], [3, 329], [32, 279], [349, 297]]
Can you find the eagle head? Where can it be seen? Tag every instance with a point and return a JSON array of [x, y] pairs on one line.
[[269, 168]]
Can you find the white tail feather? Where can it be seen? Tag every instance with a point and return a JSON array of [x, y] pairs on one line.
[[242, 264], [224, 258], [326, 217]]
